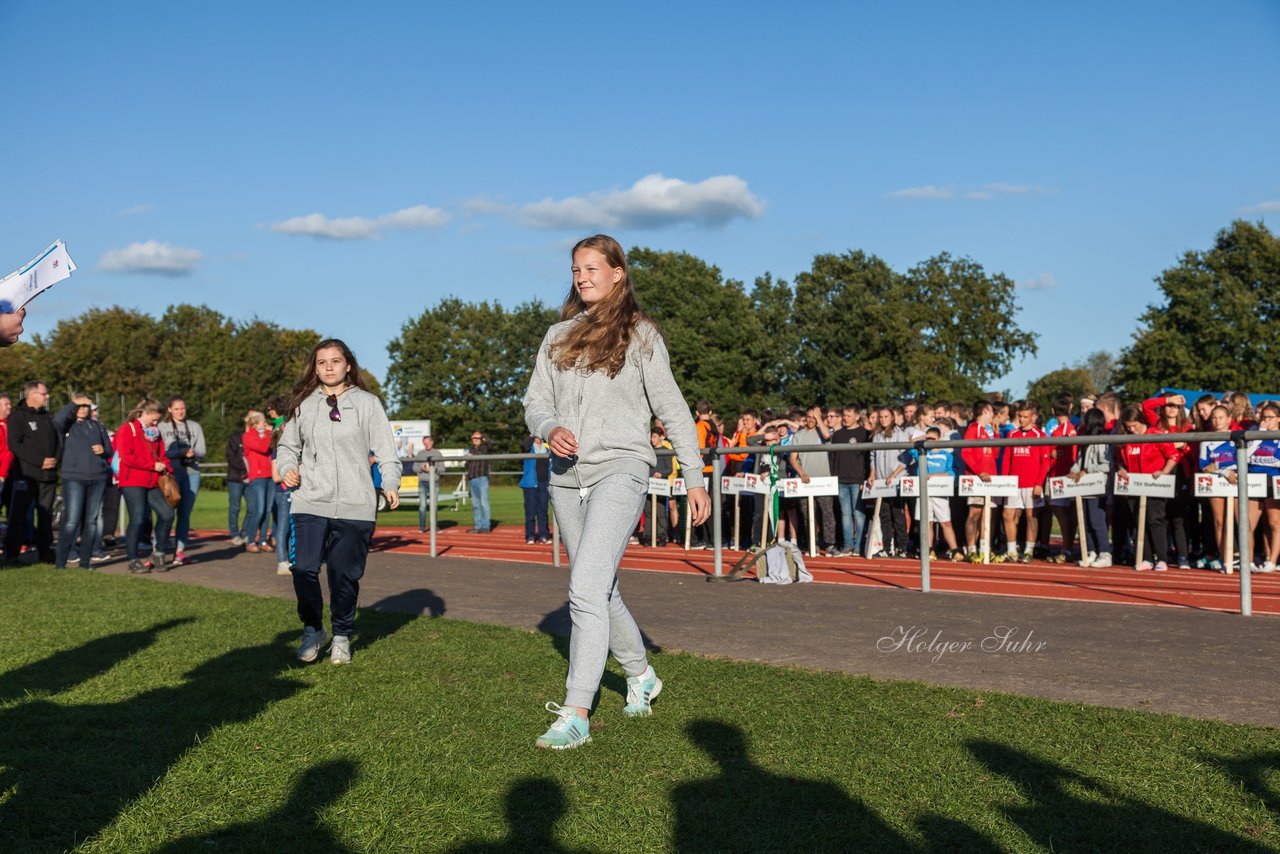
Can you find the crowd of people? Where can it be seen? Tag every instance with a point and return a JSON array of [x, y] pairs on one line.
[[1183, 531]]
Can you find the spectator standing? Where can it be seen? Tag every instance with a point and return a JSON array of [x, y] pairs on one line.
[[851, 469], [142, 460], [332, 425], [237, 482], [1030, 465], [6, 455], [1218, 458], [185, 447], [662, 469], [1095, 545], [811, 464], [36, 445], [427, 462], [478, 484], [1159, 460], [708, 437], [535, 483], [982, 463], [886, 465], [86, 468], [1062, 459], [257, 453]]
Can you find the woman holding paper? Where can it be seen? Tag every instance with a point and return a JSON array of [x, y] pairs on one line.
[[1264, 458], [1157, 459], [600, 376], [1096, 459]]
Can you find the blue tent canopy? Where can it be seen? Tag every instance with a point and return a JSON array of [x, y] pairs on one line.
[[1192, 396]]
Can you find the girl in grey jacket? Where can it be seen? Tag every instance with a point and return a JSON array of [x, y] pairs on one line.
[[601, 375], [333, 425]]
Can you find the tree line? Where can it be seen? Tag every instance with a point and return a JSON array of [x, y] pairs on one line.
[[850, 328]]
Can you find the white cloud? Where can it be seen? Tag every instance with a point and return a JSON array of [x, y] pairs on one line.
[[362, 228], [978, 195], [928, 191], [152, 257], [654, 201], [1042, 282], [1264, 207], [147, 207]]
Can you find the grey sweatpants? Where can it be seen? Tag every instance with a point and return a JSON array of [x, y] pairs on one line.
[[595, 530]]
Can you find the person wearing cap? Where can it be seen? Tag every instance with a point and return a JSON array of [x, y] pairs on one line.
[[426, 462]]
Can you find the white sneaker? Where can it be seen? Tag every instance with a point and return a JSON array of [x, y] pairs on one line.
[[1267, 567], [1102, 561], [340, 650], [1089, 559], [282, 568], [313, 641]]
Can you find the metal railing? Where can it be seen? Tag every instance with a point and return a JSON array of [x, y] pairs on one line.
[[1239, 439]]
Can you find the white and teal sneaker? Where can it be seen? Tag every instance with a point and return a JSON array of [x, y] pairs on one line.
[[641, 692], [340, 650], [568, 731]]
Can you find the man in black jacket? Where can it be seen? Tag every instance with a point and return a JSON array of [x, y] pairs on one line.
[[36, 445]]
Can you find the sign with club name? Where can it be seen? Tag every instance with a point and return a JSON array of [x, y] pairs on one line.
[[880, 489], [678, 487], [1214, 485], [734, 485], [1137, 485], [757, 484], [1088, 486], [659, 486], [939, 487], [1000, 485], [794, 487]]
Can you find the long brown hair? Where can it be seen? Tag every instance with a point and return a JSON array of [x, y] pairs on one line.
[[600, 339], [309, 381]]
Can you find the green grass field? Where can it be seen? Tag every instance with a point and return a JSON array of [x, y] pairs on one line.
[[143, 716]]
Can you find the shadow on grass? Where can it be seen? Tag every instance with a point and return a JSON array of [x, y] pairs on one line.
[[746, 808], [417, 602], [1252, 772], [72, 768], [533, 806], [558, 625], [296, 826], [66, 669], [1058, 816]]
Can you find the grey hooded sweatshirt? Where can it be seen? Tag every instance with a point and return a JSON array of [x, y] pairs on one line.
[[332, 457], [611, 416]]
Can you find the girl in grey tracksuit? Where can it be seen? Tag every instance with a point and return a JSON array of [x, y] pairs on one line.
[[598, 489]]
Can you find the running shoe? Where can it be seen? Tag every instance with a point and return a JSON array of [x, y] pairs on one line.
[[975, 557], [1267, 567], [641, 692], [282, 568], [1102, 561], [313, 641], [1145, 566], [1026, 558], [1216, 565], [340, 650], [137, 567], [252, 547], [568, 731], [1161, 566], [1088, 560], [179, 557], [999, 557], [1184, 564]]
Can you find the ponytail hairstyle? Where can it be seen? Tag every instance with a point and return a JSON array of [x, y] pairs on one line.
[[310, 381], [146, 405], [600, 339]]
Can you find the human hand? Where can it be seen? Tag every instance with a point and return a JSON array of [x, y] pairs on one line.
[[985, 477], [1176, 398], [562, 442], [191, 452], [161, 467], [49, 463], [97, 449], [291, 479], [699, 505], [1076, 475], [393, 498], [804, 478], [1037, 492], [11, 327]]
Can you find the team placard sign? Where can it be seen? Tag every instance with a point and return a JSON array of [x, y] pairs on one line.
[[1000, 486], [1088, 486], [880, 489], [1137, 485], [939, 487], [733, 485], [659, 486], [794, 487], [1214, 485]]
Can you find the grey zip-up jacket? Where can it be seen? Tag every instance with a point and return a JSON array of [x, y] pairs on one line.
[[611, 417], [332, 457]]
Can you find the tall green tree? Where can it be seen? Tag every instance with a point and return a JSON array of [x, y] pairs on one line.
[[706, 320], [943, 329], [466, 366], [1215, 327]]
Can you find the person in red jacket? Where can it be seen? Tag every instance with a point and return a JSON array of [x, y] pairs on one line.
[[1030, 464], [257, 454], [6, 455], [142, 460], [1158, 459], [1169, 414], [980, 462]]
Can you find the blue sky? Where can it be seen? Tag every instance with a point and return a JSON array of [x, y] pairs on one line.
[[344, 166]]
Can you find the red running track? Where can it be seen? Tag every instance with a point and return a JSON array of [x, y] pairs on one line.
[[1122, 585]]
